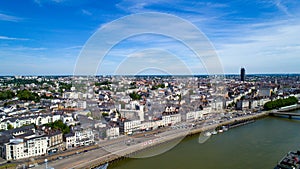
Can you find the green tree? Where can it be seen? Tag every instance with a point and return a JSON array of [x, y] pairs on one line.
[[59, 125], [7, 94], [9, 126], [104, 114], [158, 86], [102, 83], [64, 86], [275, 104], [28, 95], [135, 96]]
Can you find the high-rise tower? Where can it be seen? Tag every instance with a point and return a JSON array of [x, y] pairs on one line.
[[243, 74]]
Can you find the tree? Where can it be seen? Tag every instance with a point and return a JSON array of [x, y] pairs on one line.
[[102, 83], [9, 126], [60, 126], [104, 114], [232, 104], [135, 96], [280, 103], [6, 95], [243, 97], [158, 86], [28, 95], [89, 114], [64, 86]]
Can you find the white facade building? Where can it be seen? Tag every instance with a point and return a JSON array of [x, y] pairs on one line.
[[24, 148], [131, 126], [84, 137], [113, 132], [17, 122], [194, 115], [171, 119]]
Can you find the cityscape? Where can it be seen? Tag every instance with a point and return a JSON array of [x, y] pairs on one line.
[[107, 85], [48, 117]]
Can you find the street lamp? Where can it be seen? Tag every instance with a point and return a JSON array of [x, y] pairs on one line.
[[46, 163]]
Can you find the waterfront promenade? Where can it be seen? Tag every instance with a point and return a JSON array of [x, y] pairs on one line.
[[101, 156], [108, 153]]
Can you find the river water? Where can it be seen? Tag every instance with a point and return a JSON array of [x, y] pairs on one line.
[[258, 145]]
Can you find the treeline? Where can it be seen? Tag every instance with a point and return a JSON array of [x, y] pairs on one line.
[[64, 86], [105, 85], [19, 82], [102, 83], [22, 95], [7, 94], [28, 95], [280, 103]]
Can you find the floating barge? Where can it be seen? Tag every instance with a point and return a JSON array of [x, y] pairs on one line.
[[290, 161]]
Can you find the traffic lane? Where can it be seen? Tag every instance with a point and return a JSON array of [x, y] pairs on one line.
[[70, 161]]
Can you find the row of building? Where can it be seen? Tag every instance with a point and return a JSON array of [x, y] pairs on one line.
[[27, 141], [127, 127], [35, 118]]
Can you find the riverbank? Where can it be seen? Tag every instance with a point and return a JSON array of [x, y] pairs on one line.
[[256, 145], [243, 119], [179, 134], [112, 152], [289, 108]]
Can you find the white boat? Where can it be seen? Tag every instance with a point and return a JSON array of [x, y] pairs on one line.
[[207, 134], [220, 131], [214, 132], [203, 137]]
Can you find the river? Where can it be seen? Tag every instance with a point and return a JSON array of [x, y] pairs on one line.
[[258, 145]]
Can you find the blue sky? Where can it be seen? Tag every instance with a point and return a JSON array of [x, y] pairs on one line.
[[45, 37]]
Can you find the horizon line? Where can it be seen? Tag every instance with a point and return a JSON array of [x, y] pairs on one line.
[[225, 74]]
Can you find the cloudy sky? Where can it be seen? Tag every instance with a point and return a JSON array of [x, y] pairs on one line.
[[46, 37]]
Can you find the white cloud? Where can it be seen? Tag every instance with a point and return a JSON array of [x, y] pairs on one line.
[[74, 47], [282, 7], [172, 6], [264, 49], [31, 48], [149, 61], [12, 49], [260, 43], [5, 17], [11, 38], [135, 6], [41, 2], [86, 12], [186, 41]]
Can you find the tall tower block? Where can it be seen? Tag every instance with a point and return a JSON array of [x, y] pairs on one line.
[[243, 74]]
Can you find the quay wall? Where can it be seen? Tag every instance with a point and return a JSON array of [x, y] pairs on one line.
[[289, 108], [137, 148]]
